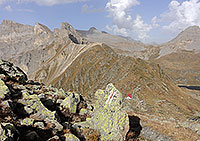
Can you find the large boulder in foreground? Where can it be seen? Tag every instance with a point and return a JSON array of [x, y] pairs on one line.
[[108, 117]]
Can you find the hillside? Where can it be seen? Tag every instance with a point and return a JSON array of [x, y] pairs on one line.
[[180, 57], [32, 111], [64, 59], [156, 100]]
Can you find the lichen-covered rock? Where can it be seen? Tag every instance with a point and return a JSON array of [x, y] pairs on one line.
[[8, 132], [70, 102], [108, 117], [54, 125], [3, 90], [40, 112], [13, 72], [70, 137], [27, 122]]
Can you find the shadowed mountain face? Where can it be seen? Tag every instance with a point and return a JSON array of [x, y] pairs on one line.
[[64, 59]]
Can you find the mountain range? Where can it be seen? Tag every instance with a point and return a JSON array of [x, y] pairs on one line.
[[85, 61]]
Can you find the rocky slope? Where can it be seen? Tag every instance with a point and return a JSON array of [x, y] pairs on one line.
[[35, 48], [182, 67], [31, 111]]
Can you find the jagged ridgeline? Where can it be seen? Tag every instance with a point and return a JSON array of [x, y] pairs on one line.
[[62, 58], [31, 111]]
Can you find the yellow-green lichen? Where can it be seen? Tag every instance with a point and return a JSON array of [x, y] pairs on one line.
[[27, 121], [3, 89], [70, 102], [34, 103], [108, 118], [70, 137]]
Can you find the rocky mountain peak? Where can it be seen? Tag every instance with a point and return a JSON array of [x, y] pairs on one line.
[[8, 22], [190, 33], [40, 28], [67, 26], [92, 30], [67, 30]]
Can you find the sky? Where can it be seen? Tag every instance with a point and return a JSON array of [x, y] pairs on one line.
[[149, 21]]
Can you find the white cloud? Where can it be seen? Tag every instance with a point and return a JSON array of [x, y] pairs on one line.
[[155, 21], [140, 28], [43, 2], [114, 29], [181, 15], [8, 8], [90, 9], [123, 21]]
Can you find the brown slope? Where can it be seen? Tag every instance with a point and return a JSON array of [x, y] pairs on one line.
[[99, 65], [183, 67], [158, 101]]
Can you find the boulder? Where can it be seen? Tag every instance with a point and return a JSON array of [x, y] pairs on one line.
[[54, 138], [38, 111], [71, 102], [108, 117]]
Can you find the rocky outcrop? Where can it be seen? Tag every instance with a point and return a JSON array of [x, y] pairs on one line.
[[67, 30], [32, 111], [109, 118]]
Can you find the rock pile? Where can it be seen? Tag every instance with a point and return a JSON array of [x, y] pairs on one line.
[[32, 111]]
